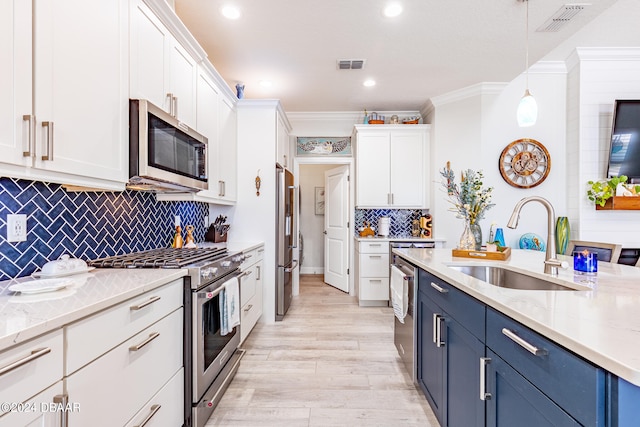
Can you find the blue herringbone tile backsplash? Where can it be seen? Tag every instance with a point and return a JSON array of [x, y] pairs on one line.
[[87, 225], [400, 220]]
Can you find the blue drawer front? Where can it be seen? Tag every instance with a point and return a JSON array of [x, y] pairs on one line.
[[571, 382], [467, 311]]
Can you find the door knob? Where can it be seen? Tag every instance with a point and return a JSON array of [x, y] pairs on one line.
[[324, 232]]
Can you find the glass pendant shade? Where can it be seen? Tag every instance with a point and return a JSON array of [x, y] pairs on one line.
[[527, 110]]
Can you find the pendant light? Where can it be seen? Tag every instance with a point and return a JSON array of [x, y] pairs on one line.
[[527, 108]]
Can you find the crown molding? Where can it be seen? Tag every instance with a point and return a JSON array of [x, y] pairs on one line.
[[580, 54], [467, 92]]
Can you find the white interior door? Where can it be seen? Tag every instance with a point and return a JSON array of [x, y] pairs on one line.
[[336, 229]]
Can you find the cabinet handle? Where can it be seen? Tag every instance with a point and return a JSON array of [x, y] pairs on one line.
[[62, 400], [284, 156], [248, 308], [392, 198], [439, 288], [245, 274], [49, 126], [375, 244], [154, 409], [144, 304], [524, 344], [221, 188], [375, 256], [440, 343], [30, 150], [258, 272], [33, 356], [484, 361], [175, 106], [152, 336], [170, 96]]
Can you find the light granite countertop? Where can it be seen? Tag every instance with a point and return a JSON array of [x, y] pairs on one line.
[[25, 316], [600, 323]]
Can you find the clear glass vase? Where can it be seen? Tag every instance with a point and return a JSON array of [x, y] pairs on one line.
[[467, 240], [477, 235]]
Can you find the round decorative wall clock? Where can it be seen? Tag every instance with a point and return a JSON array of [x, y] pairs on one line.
[[524, 163]]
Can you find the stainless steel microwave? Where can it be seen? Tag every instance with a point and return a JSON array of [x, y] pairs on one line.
[[165, 155]]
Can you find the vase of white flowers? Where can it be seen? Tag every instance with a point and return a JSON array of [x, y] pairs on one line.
[[470, 201]]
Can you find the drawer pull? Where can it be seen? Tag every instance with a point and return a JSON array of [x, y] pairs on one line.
[[484, 361], [152, 336], [154, 409], [522, 343], [248, 308], [375, 256], [439, 288], [144, 304], [258, 274], [33, 356]]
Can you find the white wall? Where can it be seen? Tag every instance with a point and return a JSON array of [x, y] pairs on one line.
[[597, 78], [311, 225], [472, 127]]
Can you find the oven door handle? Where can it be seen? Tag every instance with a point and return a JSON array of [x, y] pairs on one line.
[[246, 273], [207, 295]]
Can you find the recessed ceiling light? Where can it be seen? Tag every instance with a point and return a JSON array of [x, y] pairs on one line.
[[392, 10], [231, 12], [265, 83], [369, 83]]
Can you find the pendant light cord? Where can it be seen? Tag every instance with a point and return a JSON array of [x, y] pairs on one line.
[[527, 44]]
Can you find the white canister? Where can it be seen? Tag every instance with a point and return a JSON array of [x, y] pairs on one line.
[[383, 226]]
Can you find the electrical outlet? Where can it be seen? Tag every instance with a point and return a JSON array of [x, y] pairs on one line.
[[176, 220], [16, 228]]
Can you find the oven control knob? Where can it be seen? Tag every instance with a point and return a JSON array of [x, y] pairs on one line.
[[213, 271], [238, 258], [225, 263], [205, 273]]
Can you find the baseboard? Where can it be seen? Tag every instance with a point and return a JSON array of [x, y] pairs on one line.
[[311, 270]]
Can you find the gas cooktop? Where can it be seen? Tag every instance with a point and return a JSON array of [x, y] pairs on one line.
[[161, 258]]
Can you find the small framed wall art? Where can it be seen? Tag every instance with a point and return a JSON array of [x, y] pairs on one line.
[[323, 146], [319, 201]]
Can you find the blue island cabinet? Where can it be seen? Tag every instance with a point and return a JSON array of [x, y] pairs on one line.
[[478, 367], [449, 352]]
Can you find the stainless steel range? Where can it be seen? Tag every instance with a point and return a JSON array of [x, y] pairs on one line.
[[210, 358]]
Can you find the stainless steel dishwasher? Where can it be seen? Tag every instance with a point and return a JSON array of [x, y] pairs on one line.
[[404, 336]]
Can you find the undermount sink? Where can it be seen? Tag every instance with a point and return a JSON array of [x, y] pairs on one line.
[[504, 278]]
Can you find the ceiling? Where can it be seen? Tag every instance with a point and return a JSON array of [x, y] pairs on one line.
[[432, 48]]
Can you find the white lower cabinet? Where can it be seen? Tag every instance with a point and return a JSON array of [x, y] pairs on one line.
[[116, 386], [161, 410], [125, 359], [372, 272], [27, 370], [42, 410], [251, 291]]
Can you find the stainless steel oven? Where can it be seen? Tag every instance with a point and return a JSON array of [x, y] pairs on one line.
[[211, 351]]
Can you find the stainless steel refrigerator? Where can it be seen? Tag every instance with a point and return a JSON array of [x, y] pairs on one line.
[[286, 193]]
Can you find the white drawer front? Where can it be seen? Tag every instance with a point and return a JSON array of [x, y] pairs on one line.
[[40, 365], [249, 316], [93, 336], [373, 247], [374, 265], [37, 410], [374, 289], [248, 285], [115, 387], [165, 409]]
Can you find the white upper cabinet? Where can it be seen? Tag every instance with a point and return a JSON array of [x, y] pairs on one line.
[[227, 152], [75, 130], [283, 149], [391, 166], [162, 71]]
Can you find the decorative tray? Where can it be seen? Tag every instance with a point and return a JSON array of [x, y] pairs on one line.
[[503, 255]]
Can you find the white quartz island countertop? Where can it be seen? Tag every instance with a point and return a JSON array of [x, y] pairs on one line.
[[600, 323], [24, 316]]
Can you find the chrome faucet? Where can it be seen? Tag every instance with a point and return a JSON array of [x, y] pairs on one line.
[[551, 263]]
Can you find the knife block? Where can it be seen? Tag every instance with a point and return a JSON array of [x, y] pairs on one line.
[[219, 238]]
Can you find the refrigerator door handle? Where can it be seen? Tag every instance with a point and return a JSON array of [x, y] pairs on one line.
[[294, 264], [295, 214]]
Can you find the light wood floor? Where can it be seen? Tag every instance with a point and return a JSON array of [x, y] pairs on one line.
[[328, 363]]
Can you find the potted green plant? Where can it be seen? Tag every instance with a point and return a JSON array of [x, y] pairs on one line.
[[600, 191]]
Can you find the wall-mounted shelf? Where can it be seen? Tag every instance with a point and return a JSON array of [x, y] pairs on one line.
[[621, 204]]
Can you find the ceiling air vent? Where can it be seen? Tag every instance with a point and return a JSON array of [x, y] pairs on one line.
[[350, 64], [562, 17]]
